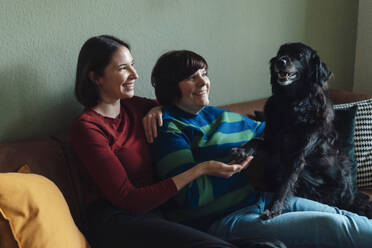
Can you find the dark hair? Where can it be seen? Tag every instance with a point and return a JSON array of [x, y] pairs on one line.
[[94, 56], [171, 68]]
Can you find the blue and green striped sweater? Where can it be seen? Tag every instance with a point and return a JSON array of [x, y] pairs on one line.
[[187, 139]]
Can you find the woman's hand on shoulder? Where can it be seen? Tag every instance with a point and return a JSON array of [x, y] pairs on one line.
[[151, 121], [219, 169]]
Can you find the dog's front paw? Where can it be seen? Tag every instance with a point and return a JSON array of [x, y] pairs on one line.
[[266, 215], [269, 214], [238, 154]]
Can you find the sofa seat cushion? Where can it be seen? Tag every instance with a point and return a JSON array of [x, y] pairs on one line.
[[37, 212], [367, 191]]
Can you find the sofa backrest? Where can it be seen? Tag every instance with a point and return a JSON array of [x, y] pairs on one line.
[[337, 97], [44, 156]]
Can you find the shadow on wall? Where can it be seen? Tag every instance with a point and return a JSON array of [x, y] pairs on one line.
[[29, 107]]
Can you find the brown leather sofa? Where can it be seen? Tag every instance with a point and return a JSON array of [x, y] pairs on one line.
[[51, 156]]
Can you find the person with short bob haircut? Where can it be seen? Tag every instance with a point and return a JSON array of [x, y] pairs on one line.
[[194, 133], [182, 64], [123, 196]]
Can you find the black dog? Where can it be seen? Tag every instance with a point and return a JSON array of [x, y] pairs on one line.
[[299, 149]]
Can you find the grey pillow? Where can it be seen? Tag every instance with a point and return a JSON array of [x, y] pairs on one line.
[[362, 140]]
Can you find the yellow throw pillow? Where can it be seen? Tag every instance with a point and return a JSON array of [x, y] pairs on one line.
[[6, 237], [37, 212]]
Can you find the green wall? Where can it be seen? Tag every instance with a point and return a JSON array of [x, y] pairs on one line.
[[332, 30], [40, 41], [363, 65]]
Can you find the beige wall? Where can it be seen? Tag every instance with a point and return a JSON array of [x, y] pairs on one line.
[[40, 41]]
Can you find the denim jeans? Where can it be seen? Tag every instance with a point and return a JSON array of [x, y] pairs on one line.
[[108, 226], [303, 223]]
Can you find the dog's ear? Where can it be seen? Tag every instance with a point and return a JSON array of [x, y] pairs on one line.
[[271, 62], [275, 87], [321, 73]]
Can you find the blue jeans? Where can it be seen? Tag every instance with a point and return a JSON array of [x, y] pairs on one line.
[[108, 226], [303, 223]]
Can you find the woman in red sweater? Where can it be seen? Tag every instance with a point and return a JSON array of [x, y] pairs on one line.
[[123, 197]]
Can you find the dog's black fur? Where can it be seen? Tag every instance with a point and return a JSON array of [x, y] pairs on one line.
[[299, 150]]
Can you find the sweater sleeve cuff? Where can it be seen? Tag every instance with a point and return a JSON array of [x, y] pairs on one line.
[[172, 186]]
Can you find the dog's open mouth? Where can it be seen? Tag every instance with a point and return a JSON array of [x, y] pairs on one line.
[[287, 77]]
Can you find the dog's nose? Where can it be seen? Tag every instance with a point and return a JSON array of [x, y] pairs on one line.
[[282, 61]]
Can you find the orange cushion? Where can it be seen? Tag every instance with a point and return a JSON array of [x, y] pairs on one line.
[[37, 212], [6, 236]]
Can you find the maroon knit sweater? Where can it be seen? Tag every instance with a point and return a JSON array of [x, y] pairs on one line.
[[115, 160]]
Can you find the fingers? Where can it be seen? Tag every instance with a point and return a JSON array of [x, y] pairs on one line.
[[151, 122], [159, 118], [234, 168], [227, 170], [156, 120], [215, 168], [148, 128], [154, 128], [238, 167], [246, 161], [232, 162]]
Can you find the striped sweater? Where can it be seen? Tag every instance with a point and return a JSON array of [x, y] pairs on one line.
[[187, 139]]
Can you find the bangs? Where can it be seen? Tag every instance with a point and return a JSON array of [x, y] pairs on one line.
[[192, 62], [172, 68]]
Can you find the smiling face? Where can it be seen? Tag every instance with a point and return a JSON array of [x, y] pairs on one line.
[[194, 92], [289, 64], [296, 69], [119, 76], [285, 70]]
